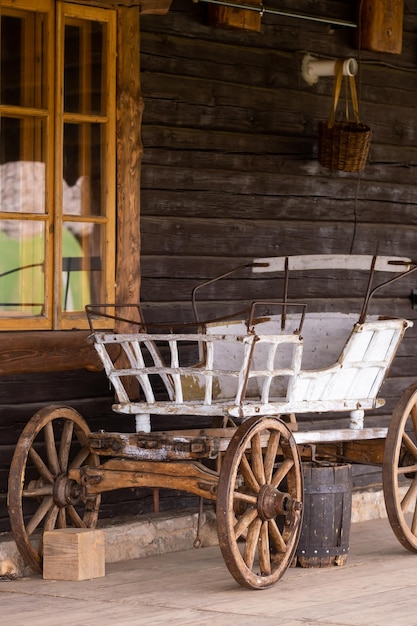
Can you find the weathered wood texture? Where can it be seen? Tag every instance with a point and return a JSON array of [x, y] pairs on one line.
[[89, 393], [46, 350], [381, 25], [230, 169], [324, 536], [73, 554], [230, 172], [129, 153]]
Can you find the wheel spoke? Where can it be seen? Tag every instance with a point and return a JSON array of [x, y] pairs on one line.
[[281, 472], [244, 522], [410, 445], [38, 516], [271, 453], [62, 518], [257, 459], [264, 552], [276, 536], [414, 522], [65, 446], [248, 475], [413, 414], [245, 497], [51, 517], [75, 518], [51, 452], [407, 469], [252, 542], [410, 496], [38, 492], [82, 456], [40, 466]]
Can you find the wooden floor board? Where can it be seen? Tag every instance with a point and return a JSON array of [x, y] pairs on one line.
[[376, 587]]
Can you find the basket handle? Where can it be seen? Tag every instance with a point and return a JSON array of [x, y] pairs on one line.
[[338, 73]]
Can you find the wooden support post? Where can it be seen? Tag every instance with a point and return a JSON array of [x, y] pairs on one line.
[[129, 159], [129, 156]]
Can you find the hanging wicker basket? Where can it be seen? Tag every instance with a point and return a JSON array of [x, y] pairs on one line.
[[344, 145]]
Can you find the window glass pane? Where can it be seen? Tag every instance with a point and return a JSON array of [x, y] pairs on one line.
[[22, 188], [83, 169], [23, 72], [22, 139], [83, 67], [22, 279], [82, 262]]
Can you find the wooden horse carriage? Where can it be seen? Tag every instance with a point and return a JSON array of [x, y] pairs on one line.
[[253, 376]]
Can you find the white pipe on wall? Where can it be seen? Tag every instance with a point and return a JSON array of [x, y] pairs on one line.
[[312, 68]]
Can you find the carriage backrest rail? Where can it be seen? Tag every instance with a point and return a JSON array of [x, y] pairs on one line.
[[285, 265]]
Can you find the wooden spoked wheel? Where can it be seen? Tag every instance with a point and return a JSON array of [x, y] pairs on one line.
[[259, 502], [41, 496], [399, 470]]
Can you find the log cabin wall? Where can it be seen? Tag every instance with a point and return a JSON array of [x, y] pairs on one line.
[[230, 172], [230, 169]]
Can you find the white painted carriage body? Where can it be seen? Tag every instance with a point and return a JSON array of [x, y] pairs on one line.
[[263, 370]]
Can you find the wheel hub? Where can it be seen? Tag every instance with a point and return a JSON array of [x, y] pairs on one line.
[[66, 491], [272, 503]]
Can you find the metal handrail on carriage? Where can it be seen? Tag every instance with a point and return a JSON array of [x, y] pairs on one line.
[[249, 371]]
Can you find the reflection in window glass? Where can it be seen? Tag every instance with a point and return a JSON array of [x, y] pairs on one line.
[[81, 265], [22, 187], [83, 169], [22, 139], [22, 72], [83, 62], [22, 279]]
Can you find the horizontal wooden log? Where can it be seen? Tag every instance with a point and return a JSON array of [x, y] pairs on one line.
[[57, 386], [216, 204], [185, 237], [46, 351], [182, 311], [277, 182], [250, 291], [218, 60], [259, 109]]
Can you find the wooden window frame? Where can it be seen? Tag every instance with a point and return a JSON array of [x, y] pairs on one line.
[[44, 351], [66, 13], [54, 118]]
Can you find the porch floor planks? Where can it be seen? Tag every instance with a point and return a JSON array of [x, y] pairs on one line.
[[376, 587]]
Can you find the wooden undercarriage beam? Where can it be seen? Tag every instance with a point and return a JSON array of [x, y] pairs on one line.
[[367, 452], [120, 473]]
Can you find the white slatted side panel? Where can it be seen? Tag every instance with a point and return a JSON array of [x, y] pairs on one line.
[[361, 369]]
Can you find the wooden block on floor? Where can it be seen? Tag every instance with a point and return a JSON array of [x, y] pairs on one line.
[[73, 554]]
